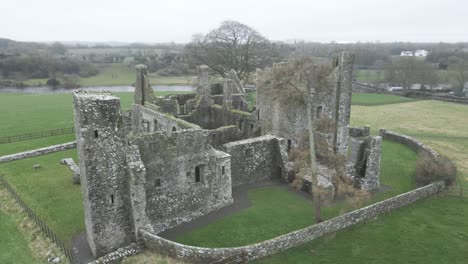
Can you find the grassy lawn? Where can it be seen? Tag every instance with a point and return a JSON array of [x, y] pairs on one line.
[[370, 76], [116, 74], [26, 113], [441, 125], [275, 211], [428, 231], [49, 191], [12, 240], [364, 99]]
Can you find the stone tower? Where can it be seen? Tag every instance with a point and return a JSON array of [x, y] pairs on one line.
[[101, 153], [343, 62], [143, 90]]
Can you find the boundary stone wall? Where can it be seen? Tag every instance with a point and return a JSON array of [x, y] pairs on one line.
[[408, 141], [119, 254], [281, 243], [38, 152]]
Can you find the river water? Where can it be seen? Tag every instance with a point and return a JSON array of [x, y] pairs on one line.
[[176, 88]]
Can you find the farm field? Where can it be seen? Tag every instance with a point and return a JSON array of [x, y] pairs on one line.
[[116, 74], [24, 113], [375, 76], [370, 76], [378, 99]]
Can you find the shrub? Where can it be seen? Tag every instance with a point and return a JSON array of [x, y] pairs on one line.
[[53, 82], [430, 169]]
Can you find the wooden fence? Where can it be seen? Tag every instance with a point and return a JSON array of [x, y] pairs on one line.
[[35, 135], [42, 225]]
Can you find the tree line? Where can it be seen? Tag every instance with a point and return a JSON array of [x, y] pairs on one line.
[[21, 61]]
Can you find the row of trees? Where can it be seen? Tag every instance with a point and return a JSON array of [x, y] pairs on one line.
[[19, 60], [406, 71]]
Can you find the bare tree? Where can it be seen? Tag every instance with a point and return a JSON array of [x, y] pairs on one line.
[[231, 46], [298, 81], [459, 77], [401, 71], [408, 70], [425, 74]]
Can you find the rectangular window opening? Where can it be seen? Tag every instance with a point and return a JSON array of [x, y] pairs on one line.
[[112, 199], [248, 153], [198, 173], [157, 183], [96, 134], [223, 170]]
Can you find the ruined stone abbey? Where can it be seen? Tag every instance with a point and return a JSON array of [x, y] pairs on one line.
[[172, 159]]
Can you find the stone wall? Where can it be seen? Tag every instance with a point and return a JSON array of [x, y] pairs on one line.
[[257, 159], [408, 141], [38, 152], [286, 118], [148, 119], [119, 254], [371, 181], [185, 177], [101, 153], [293, 239], [74, 168], [225, 134], [216, 116], [363, 131]]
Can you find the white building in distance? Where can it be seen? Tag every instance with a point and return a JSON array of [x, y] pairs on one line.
[[421, 53], [407, 53]]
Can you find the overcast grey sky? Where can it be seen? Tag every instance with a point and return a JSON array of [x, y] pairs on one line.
[[178, 20]]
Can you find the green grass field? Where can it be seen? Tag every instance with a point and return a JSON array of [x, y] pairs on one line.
[[370, 76], [429, 231], [378, 99], [116, 74], [26, 113], [442, 125], [14, 246], [49, 191]]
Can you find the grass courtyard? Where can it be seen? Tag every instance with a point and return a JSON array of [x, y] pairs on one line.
[[275, 211], [428, 231]]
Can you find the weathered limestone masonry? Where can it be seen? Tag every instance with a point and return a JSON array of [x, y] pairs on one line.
[[408, 141], [38, 152], [74, 168], [119, 254], [331, 109], [257, 159], [364, 158], [359, 131], [332, 103], [148, 119], [144, 91], [170, 160], [185, 177], [101, 153], [293, 239]]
